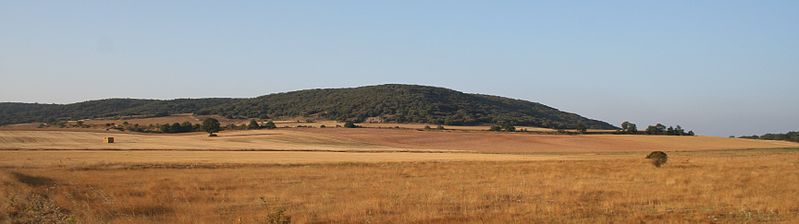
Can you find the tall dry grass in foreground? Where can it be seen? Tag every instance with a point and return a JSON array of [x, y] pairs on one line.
[[760, 187]]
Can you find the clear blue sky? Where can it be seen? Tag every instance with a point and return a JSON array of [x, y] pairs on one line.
[[717, 67]]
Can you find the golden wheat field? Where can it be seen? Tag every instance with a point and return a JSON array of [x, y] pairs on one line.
[[373, 175], [368, 139]]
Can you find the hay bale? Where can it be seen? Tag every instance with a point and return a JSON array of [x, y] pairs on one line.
[[658, 158]]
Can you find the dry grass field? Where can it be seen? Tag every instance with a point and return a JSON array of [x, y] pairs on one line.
[[746, 186], [369, 139], [374, 175]]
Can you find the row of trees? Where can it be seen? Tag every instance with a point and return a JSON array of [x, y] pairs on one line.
[[505, 126], [657, 129], [254, 125], [179, 127], [790, 136]]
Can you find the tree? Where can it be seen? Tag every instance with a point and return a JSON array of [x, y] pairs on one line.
[[495, 128], [175, 128], [270, 125], [657, 129], [211, 126], [186, 127], [508, 127], [629, 128], [165, 128], [581, 128], [253, 125], [679, 131], [349, 124]]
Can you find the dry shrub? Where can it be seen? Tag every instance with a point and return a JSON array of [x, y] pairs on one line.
[[658, 158]]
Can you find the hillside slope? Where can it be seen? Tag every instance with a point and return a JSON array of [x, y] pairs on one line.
[[391, 103]]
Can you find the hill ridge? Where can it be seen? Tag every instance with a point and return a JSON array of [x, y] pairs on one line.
[[400, 103]]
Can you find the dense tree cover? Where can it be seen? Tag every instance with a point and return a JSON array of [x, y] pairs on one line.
[[790, 136], [392, 103]]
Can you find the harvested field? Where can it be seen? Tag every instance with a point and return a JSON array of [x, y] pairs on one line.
[[77, 159], [371, 139], [374, 175], [694, 187]]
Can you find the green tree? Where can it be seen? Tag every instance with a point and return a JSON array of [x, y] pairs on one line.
[[253, 125], [165, 128], [629, 128], [349, 124], [186, 127], [508, 127], [175, 128], [270, 125], [211, 126]]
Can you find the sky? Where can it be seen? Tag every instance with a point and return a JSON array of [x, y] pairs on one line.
[[716, 67]]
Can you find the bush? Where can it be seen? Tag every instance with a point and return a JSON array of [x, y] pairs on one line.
[[349, 124], [658, 158], [270, 125], [253, 125]]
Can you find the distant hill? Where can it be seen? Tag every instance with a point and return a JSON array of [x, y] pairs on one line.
[[389, 103]]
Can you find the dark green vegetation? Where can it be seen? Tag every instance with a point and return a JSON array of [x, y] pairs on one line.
[[391, 103], [178, 128], [790, 136], [657, 129], [211, 126]]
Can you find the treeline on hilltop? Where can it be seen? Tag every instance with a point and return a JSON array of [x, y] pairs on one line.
[[383, 103], [792, 136]]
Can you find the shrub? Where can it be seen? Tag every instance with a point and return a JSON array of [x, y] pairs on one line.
[[270, 125], [658, 158], [349, 124], [253, 125]]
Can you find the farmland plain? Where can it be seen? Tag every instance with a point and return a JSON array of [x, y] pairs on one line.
[[381, 175]]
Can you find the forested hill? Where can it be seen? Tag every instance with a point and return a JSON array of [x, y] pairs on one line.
[[391, 103]]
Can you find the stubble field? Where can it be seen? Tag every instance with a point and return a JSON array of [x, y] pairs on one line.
[[392, 176]]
